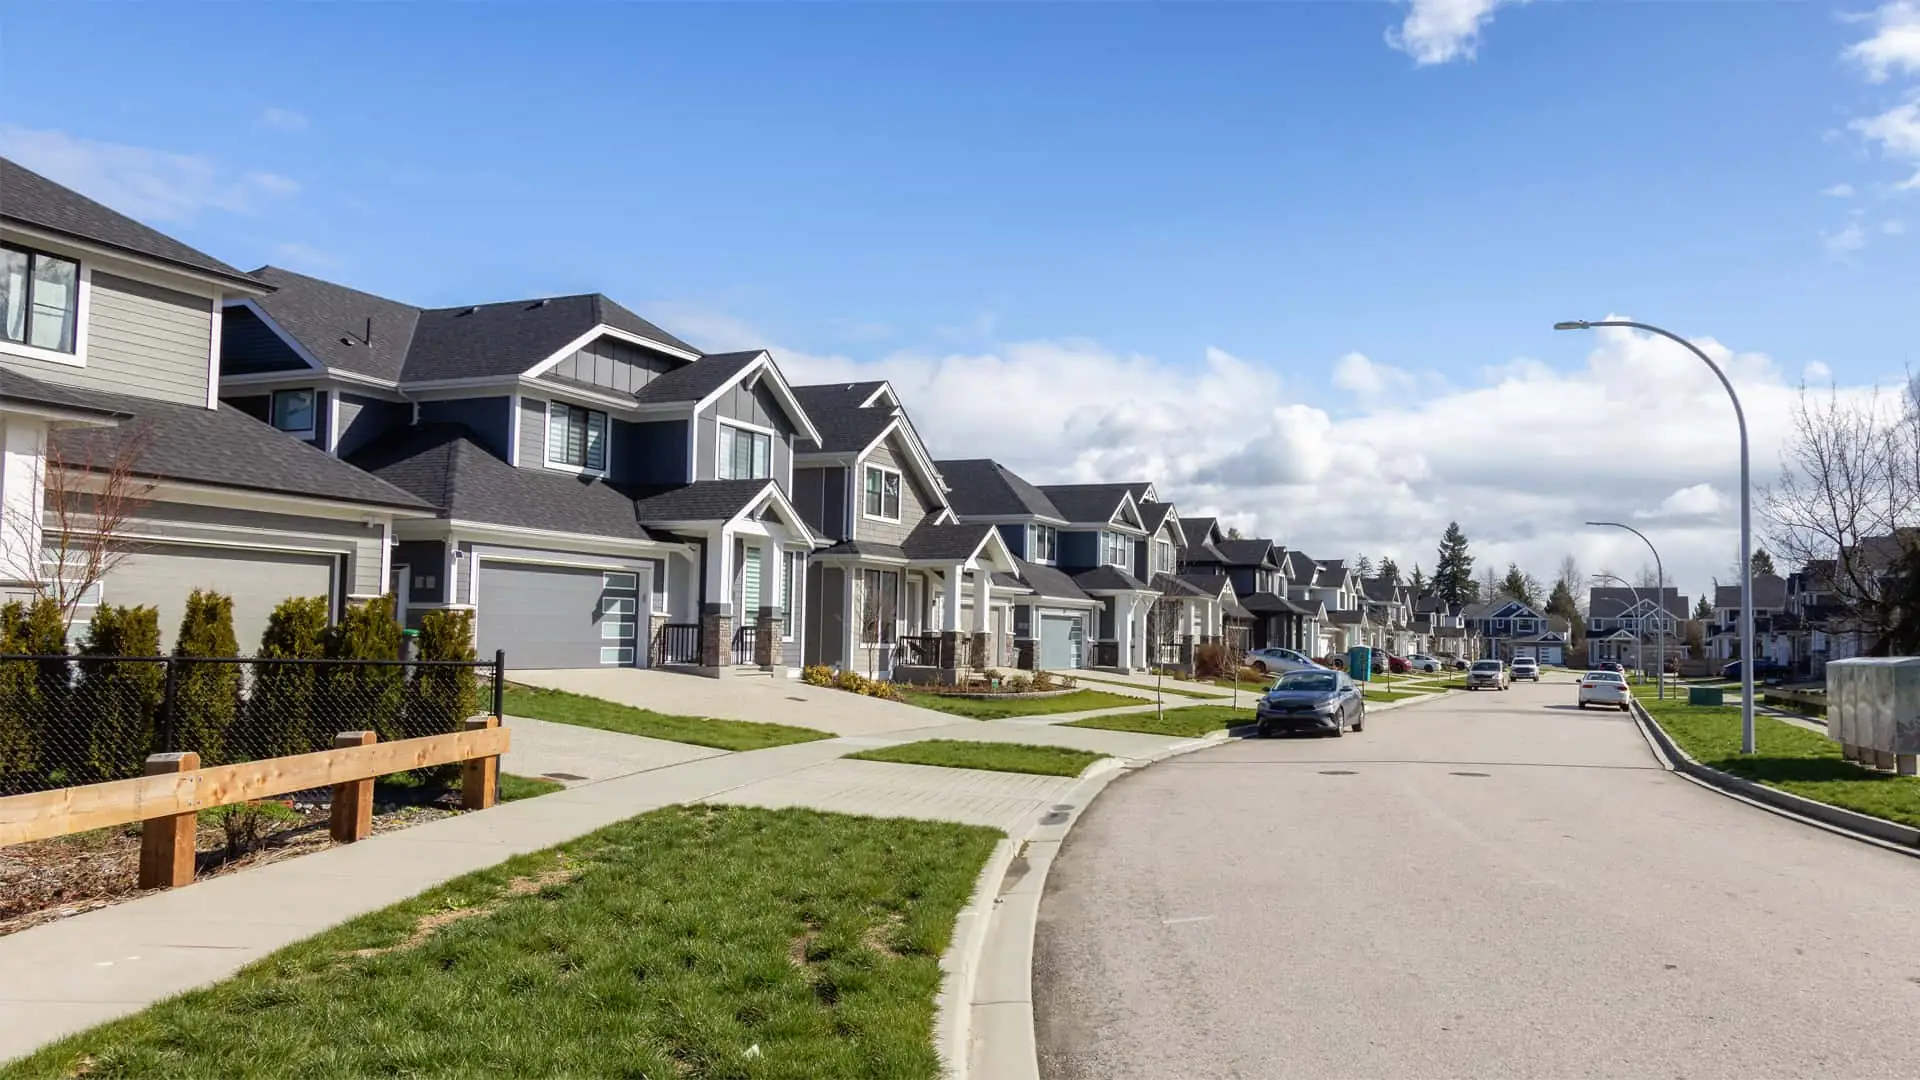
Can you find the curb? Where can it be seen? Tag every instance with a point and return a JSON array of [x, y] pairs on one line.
[[1865, 828], [987, 980]]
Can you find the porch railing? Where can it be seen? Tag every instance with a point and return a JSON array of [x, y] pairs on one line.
[[679, 644], [919, 650], [1106, 654], [744, 640], [1167, 652]]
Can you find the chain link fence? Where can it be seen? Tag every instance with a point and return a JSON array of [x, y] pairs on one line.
[[67, 720]]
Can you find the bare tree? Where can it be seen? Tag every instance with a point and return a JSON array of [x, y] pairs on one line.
[[90, 491], [1569, 575]]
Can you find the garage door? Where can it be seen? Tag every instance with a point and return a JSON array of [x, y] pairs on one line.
[[1059, 642], [563, 616], [162, 575]]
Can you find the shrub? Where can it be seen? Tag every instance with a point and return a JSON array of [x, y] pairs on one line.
[[282, 714], [1252, 675], [851, 681], [206, 697], [1210, 661], [1020, 684], [123, 696], [444, 697], [247, 824], [366, 696], [880, 688], [34, 744], [817, 675]]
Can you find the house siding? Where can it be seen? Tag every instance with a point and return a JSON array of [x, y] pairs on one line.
[[358, 543], [141, 339], [1016, 538], [425, 560], [614, 365], [823, 614], [533, 433], [248, 345], [757, 407], [654, 452], [915, 501], [1079, 549], [488, 418], [810, 500], [363, 419]]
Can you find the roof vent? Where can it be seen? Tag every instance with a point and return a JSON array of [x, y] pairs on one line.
[[542, 302], [470, 310]]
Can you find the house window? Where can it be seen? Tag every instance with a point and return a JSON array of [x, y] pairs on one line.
[[1163, 558], [883, 494], [292, 412], [879, 606], [745, 454], [1116, 549], [39, 299], [576, 437], [1042, 543], [791, 567]]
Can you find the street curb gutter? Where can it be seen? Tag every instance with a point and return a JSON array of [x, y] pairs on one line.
[[983, 1022], [1863, 827]]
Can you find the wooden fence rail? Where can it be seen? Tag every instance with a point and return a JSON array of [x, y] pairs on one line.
[[175, 789]]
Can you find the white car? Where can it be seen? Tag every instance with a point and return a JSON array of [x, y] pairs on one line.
[[1491, 674], [1423, 662], [1526, 667], [1273, 661], [1605, 688]]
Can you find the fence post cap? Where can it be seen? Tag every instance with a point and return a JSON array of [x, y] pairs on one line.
[[478, 723], [181, 761], [355, 738]]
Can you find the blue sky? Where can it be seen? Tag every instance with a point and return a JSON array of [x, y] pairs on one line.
[[1070, 188]]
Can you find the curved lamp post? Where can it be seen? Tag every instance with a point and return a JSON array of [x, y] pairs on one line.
[[1639, 636], [1746, 517], [1659, 602]]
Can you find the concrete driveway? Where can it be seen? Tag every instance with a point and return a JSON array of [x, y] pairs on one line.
[[752, 697], [1495, 885]]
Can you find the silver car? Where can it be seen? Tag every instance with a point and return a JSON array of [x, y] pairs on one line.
[[1276, 661], [1487, 675]]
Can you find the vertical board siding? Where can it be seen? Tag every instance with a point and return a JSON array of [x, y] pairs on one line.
[[615, 365]]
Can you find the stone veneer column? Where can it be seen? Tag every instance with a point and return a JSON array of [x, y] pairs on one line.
[[716, 637], [977, 651], [766, 637]]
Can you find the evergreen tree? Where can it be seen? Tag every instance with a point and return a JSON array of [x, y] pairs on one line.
[[444, 696], [1389, 569], [1418, 581], [373, 695], [123, 696], [1762, 562], [282, 711], [1453, 573], [1520, 585], [206, 697], [37, 740], [1703, 607], [1363, 567]]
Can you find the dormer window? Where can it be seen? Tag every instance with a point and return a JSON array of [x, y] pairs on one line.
[[39, 299], [1043, 543], [745, 454], [576, 438], [882, 493], [292, 411], [1116, 549]]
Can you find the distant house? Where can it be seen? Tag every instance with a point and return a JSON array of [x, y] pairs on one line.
[[1510, 628], [1624, 624], [1774, 627]]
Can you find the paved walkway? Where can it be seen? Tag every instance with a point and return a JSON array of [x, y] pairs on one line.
[[747, 697], [61, 977]]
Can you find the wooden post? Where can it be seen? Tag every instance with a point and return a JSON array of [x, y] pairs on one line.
[[166, 843], [480, 777], [352, 801]]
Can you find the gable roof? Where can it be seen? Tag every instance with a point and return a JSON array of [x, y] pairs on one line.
[[693, 382], [1255, 552], [31, 199], [982, 487], [1109, 579], [1211, 584], [1300, 567], [1769, 591], [1615, 601], [1049, 581], [953, 542], [847, 424], [1089, 502], [331, 323], [1154, 514], [443, 465]]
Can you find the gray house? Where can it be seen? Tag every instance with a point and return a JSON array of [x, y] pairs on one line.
[[602, 493], [109, 350], [902, 589]]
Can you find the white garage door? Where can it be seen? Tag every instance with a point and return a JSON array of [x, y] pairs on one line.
[[1059, 642], [564, 616], [162, 576]]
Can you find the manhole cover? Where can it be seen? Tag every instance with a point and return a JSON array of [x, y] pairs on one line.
[[1337, 772], [1470, 774], [562, 776]]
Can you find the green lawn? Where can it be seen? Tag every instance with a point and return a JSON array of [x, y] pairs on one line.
[[1790, 757], [1373, 694], [1189, 722], [412, 787], [688, 942], [564, 708], [994, 756], [1245, 687], [1169, 685], [993, 709], [514, 788]]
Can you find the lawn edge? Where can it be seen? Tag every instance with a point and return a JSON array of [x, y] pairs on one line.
[[1007, 915], [1852, 824]]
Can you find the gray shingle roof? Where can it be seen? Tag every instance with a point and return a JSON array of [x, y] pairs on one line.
[[958, 542], [1769, 591], [1154, 514], [1300, 567], [318, 314], [221, 447], [835, 409], [1253, 552], [985, 488], [698, 379], [1211, 584], [26, 390], [1087, 502], [1003, 580], [1049, 581], [442, 464], [1347, 618], [864, 549], [1109, 578], [706, 500], [1607, 602], [32, 199], [1266, 603]]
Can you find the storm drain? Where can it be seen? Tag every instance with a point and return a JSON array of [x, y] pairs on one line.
[[1338, 772]]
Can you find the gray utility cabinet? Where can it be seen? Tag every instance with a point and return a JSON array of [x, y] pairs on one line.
[[1873, 709]]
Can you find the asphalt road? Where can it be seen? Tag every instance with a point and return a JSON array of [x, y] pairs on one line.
[[1496, 885]]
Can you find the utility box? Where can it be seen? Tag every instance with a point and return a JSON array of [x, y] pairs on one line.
[[1705, 695], [1360, 663], [1873, 710]]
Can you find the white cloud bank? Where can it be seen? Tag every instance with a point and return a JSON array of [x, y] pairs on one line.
[[1895, 44], [1640, 430], [151, 185], [1440, 31]]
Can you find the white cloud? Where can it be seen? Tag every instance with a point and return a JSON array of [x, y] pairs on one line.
[[1847, 240], [1816, 372], [1521, 456], [1897, 131], [1838, 191], [1895, 44], [283, 119], [153, 185], [1439, 31], [1356, 373]]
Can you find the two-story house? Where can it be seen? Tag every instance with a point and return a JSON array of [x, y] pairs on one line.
[[1303, 583], [1445, 625], [117, 450], [1056, 624], [902, 589], [1337, 588], [1097, 548], [1258, 569], [1508, 628], [1390, 609], [1774, 627], [602, 493], [1625, 624]]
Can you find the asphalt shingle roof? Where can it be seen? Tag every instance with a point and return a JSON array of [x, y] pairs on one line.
[[26, 390], [1049, 581], [843, 424], [1087, 502], [1154, 514], [986, 488], [32, 199], [1769, 591], [864, 549], [1300, 567], [1266, 603], [698, 379], [1211, 584], [1611, 601], [319, 314], [442, 464], [1245, 552], [509, 337], [222, 447], [706, 500], [957, 542], [1109, 578]]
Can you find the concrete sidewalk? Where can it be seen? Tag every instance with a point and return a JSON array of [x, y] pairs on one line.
[[62, 977]]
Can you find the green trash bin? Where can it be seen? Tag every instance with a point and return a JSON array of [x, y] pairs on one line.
[[1705, 695]]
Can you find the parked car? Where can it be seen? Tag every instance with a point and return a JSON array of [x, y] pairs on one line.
[[1314, 701], [1398, 664], [1526, 667], [1275, 661], [1332, 663], [1488, 675], [1461, 664], [1605, 688], [1423, 662], [1763, 667]]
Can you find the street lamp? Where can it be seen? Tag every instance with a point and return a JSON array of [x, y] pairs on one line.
[[1659, 600], [1746, 517], [1639, 633]]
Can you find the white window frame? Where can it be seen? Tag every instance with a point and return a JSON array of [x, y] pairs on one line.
[[546, 441], [721, 424], [1121, 543], [313, 411], [899, 493], [82, 308], [1034, 532]]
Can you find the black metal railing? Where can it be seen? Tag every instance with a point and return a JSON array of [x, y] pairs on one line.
[[745, 638], [919, 650], [1106, 654], [679, 643], [70, 720]]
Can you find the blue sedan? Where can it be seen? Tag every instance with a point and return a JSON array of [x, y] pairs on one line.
[[1316, 702]]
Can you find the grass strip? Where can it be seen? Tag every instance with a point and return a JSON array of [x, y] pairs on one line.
[[514, 788], [560, 707], [691, 941], [992, 756], [1789, 757], [997, 709], [1170, 689], [1189, 722], [1390, 695]]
